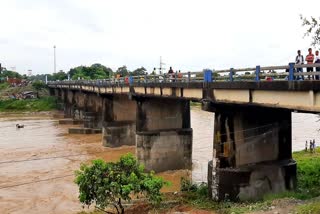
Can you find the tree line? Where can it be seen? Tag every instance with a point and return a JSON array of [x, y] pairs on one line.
[[95, 71]]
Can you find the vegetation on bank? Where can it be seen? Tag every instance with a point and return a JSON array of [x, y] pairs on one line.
[[195, 197], [108, 185], [41, 104]]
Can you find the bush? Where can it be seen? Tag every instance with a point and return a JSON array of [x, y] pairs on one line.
[[43, 104], [108, 184], [38, 85]]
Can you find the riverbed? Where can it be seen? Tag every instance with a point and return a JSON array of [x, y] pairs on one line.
[[37, 162]]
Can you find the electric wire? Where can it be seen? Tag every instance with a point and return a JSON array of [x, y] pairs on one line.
[[37, 181]]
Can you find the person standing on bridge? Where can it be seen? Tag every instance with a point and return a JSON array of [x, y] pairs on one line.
[[317, 61], [299, 61], [310, 59], [170, 74]]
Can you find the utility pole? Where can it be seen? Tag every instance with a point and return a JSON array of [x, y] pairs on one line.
[[161, 64], [54, 60]]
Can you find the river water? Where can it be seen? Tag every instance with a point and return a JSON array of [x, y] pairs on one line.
[[45, 184]]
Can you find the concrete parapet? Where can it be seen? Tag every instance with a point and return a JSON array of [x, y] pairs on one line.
[[165, 150], [119, 133]]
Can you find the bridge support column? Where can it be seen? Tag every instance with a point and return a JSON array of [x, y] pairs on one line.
[[119, 121], [164, 136], [252, 153]]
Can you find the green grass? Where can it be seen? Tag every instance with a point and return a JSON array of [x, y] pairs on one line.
[[42, 104], [195, 104], [308, 186], [308, 174], [310, 208], [4, 85]]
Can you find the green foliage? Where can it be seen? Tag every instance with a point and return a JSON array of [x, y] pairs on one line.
[[186, 185], [312, 26], [43, 104], [61, 75], [10, 74], [38, 85], [4, 85], [95, 71], [139, 71], [311, 208], [308, 171], [123, 71], [107, 184]]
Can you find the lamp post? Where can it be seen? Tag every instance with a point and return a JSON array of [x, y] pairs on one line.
[[54, 59]]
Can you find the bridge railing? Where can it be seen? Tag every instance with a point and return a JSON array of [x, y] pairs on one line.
[[258, 73]]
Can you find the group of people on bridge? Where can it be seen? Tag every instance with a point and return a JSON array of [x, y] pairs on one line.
[[310, 59]]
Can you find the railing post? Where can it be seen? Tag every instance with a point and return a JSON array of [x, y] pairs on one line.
[[175, 76], [213, 75], [189, 76], [231, 75], [257, 73], [145, 78], [207, 75], [291, 71]]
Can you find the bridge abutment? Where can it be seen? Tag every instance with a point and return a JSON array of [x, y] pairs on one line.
[[164, 136], [252, 152]]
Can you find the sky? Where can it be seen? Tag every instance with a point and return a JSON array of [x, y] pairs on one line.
[[189, 35]]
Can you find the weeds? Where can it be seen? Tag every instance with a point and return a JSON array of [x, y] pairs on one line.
[[42, 104]]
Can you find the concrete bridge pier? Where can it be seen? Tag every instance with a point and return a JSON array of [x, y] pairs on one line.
[[119, 121], [163, 134], [252, 152]]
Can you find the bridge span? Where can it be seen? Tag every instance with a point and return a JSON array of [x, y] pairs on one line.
[[252, 130]]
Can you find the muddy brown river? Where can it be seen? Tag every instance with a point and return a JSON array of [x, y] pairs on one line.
[[44, 184]]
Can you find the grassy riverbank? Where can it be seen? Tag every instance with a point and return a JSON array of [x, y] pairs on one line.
[[41, 104], [304, 200]]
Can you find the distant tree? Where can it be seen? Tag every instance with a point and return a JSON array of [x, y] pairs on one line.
[[109, 184], [123, 71], [10, 74], [61, 75], [38, 85], [312, 29], [95, 71], [139, 71]]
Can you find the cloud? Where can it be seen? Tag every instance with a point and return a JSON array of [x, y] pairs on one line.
[[189, 35]]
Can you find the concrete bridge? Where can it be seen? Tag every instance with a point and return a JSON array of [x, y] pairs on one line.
[[252, 133]]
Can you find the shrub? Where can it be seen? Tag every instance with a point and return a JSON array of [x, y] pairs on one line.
[[108, 184]]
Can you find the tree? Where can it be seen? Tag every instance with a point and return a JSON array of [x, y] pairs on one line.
[[139, 71], [123, 71], [10, 74], [95, 71], [38, 86], [108, 184], [61, 75], [313, 29]]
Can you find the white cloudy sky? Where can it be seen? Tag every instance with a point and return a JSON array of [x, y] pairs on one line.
[[189, 35]]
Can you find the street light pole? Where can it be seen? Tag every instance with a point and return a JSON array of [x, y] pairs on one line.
[[54, 60]]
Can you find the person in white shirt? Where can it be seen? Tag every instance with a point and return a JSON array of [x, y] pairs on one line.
[[299, 61]]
